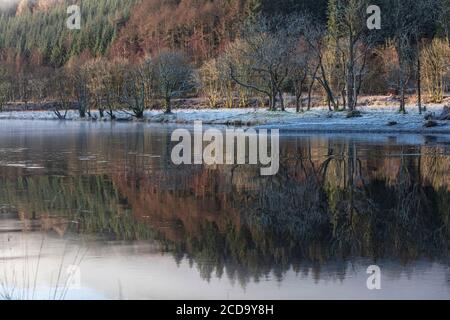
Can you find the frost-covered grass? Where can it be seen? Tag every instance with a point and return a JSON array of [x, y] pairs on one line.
[[373, 119]]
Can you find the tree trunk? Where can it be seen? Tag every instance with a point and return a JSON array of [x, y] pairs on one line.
[[298, 100], [402, 97], [273, 99], [280, 95], [271, 103], [168, 105], [351, 79], [419, 84], [344, 99], [402, 77], [111, 114], [310, 93]]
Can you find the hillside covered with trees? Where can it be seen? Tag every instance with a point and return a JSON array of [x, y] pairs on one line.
[[138, 54]]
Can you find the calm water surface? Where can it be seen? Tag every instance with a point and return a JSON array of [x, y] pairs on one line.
[[97, 210]]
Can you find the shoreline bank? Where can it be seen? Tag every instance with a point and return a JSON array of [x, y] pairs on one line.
[[373, 119]]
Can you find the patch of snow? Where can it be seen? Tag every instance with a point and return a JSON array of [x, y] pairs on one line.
[[374, 119]]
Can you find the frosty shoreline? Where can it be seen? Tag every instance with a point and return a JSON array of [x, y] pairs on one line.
[[374, 119]]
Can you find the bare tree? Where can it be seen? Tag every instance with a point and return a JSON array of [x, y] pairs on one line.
[[80, 82], [301, 65], [147, 74], [407, 21], [210, 82], [96, 71], [5, 87], [352, 40], [227, 84], [134, 93], [113, 83], [435, 57], [62, 87], [260, 59], [173, 77], [315, 36]]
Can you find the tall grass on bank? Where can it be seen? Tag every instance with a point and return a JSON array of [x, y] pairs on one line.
[[19, 275]]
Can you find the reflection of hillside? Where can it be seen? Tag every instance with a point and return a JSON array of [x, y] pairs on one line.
[[330, 201], [335, 205], [175, 206], [88, 204]]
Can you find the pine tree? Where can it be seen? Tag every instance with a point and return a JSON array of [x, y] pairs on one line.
[[254, 9], [332, 23]]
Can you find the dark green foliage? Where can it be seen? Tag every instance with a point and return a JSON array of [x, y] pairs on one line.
[[45, 34], [315, 7]]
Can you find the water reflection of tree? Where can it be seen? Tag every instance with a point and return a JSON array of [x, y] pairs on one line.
[[87, 204], [404, 219], [336, 211], [331, 201]]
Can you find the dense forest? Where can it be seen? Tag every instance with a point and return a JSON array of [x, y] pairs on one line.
[[138, 54], [200, 27]]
